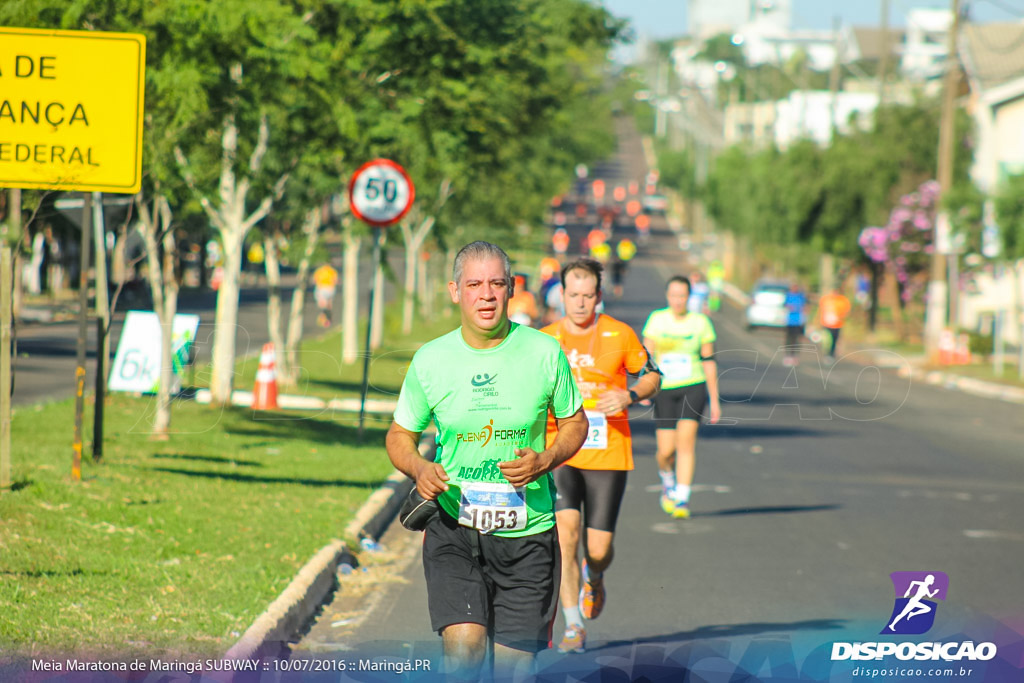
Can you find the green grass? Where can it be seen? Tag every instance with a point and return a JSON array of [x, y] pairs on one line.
[[984, 370], [176, 546]]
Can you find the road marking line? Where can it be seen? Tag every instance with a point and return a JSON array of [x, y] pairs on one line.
[[989, 533]]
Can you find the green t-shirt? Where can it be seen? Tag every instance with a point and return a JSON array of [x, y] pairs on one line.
[[485, 403], [677, 346]]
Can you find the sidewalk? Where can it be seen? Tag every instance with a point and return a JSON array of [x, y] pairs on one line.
[[43, 309]]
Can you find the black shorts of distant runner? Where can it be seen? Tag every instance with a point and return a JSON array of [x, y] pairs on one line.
[[681, 403]]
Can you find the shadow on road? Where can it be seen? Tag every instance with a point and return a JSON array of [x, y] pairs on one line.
[[760, 430], [764, 398], [768, 510], [725, 631]]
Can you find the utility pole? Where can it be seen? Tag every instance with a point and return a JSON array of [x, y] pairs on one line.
[[833, 78], [938, 291], [883, 62], [660, 115]]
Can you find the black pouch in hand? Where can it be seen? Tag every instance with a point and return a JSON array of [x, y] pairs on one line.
[[417, 511]]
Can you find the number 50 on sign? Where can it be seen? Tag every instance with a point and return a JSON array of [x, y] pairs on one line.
[[380, 192]]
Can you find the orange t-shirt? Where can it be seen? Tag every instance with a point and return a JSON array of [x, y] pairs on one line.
[[523, 302], [600, 359], [832, 310]]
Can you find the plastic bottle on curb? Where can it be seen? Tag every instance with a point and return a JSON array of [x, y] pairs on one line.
[[369, 544]]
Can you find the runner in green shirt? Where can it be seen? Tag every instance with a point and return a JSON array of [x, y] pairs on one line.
[[491, 556], [682, 342]]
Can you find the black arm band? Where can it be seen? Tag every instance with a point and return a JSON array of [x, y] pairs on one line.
[[649, 366], [711, 357]]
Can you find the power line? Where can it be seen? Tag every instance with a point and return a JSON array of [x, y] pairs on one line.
[[1009, 9]]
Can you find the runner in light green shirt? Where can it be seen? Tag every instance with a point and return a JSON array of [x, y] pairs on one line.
[[486, 403], [682, 342], [677, 345]]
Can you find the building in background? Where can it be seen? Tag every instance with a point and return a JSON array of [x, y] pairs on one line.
[[805, 114], [707, 18], [925, 44], [993, 60]]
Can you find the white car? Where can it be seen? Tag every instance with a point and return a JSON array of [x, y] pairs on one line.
[[655, 203], [768, 304]]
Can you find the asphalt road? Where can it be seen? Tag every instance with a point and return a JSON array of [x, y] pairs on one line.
[[44, 369], [819, 482]]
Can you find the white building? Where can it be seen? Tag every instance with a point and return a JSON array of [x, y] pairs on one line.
[[925, 44], [993, 59], [768, 46], [805, 114], [709, 18]]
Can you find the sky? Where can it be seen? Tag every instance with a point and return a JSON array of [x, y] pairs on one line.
[[667, 18]]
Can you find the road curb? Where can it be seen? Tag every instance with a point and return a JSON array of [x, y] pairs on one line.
[[968, 385], [243, 398], [295, 606]]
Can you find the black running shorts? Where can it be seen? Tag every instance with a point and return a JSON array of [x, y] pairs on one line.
[[596, 493], [681, 403], [509, 585]]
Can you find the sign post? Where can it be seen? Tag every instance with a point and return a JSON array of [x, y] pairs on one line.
[[380, 194], [71, 119], [6, 366]]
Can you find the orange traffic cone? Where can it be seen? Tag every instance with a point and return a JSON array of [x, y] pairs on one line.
[[962, 353], [264, 395], [947, 347]]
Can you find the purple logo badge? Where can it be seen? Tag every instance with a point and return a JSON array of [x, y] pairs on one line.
[[916, 592]]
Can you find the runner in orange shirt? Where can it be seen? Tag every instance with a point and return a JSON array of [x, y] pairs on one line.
[[832, 311], [601, 351], [522, 305]]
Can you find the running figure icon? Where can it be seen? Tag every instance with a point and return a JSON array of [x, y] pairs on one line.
[[915, 606]]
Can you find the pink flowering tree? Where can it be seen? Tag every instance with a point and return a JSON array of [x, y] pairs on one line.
[[904, 245]]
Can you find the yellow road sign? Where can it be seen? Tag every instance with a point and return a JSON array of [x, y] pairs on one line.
[[71, 105]]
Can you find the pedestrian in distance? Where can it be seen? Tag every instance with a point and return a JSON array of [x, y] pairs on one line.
[[325, 281], [625, 250], [832, 311], [700, 291], [522, 306], [602, 352], [796, 319], [490, 556], [716, 282], [682, 342]]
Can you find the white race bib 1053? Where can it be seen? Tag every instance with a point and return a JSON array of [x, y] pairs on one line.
[[489, 507]]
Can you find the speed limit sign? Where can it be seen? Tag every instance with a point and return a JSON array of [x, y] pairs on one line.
[[380, 192]]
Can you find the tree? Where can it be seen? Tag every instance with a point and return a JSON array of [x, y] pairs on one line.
[[156, 228], [1009, 202], [236, 70]]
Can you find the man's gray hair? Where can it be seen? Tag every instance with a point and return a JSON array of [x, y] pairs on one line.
[[480, 250]]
